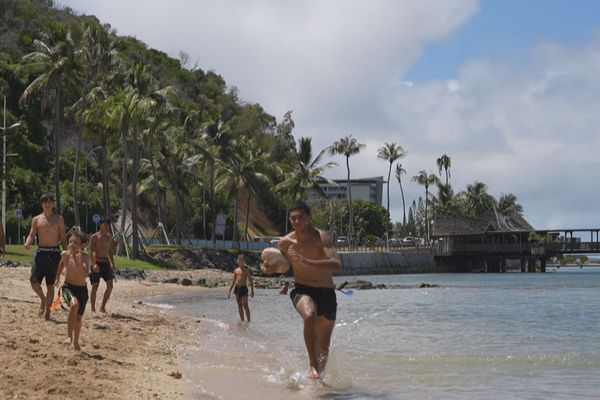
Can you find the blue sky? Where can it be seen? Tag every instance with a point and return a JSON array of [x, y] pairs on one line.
[[509, 89], [506, 30]]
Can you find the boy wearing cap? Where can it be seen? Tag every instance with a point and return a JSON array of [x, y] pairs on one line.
[[103, 263]]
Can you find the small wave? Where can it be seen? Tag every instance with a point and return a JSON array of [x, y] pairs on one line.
[[163, 306]]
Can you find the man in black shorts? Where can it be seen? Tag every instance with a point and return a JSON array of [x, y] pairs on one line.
[[314, 260], [50, 230]]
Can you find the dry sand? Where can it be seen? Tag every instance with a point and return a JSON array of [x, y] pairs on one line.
[[134, 352]]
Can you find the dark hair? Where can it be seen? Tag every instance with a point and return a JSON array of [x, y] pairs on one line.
[[299, 205], [46, 197], [81, 235]]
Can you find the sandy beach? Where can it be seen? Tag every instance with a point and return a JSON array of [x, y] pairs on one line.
[[134, 352]]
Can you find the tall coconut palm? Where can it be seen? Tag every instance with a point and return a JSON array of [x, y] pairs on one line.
[[216, 136], [390, 152], [445, 163], [243, 169], [96, 57], [347, 146], [399, 172], [307, 172], [476, 199], [507, 204], [426, 180], [53, 62]]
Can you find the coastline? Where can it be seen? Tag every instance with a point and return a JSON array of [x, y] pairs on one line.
[[135, 352]]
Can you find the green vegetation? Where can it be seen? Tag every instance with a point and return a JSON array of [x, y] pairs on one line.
[[115, 128], [17, 253]]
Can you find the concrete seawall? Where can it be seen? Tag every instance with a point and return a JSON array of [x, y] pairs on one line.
[[389, 263]]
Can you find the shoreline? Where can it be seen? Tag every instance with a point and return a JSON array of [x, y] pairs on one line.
[[136, 351]]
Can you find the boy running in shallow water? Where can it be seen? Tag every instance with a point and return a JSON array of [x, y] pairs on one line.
[[103, 266], [74, 290], [314, 260], [240, 276]]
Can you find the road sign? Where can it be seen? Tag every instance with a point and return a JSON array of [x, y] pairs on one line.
[[220, 226], [18, 213], [96, 218]]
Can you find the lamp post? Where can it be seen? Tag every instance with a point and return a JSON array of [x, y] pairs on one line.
[[90, 153], [4, 129]]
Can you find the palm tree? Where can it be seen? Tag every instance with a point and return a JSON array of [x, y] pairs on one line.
[[399, 172], [243, 169], [476, 199], [390, 152], [96, 55], [445, 199], [216, 139], [307, 173], [53, 63], [425, 179], [445, 163], [347, 146], [507, 204]]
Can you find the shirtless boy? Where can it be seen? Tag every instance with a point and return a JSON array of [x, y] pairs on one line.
[[50, 230], [74, 291], [240, 276], [314, 260], [101, 249]]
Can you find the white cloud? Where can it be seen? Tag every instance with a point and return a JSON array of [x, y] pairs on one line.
[[529, 129]]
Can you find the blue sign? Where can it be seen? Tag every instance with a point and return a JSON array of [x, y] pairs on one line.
[[96, 218], [18, 213]]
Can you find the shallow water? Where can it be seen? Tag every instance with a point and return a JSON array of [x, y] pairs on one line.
[[476, 336]]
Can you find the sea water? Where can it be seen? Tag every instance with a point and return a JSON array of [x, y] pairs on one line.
[[475, 336]]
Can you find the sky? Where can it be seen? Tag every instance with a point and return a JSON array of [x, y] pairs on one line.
[[509, 89]]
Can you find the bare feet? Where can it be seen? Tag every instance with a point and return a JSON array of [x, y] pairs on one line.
[[313, 373], [77, 347], [47, 315], [103, 310], [42, 309]]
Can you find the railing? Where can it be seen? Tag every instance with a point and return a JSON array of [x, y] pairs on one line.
[[445, 249]]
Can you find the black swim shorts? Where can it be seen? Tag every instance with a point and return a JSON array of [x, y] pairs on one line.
[[79, 292], [240, 291], [45, 265], [106, 272], [323, 297]]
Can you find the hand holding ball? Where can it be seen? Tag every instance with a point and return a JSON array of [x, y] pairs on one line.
[[274, 262]]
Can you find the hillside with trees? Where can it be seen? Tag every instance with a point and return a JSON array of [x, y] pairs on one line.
[[113, 127]]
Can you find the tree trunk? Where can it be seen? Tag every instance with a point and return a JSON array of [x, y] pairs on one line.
[[122, 244], [236, 242], [135, 170], [426, 216], [403, 205], [57, 107], [158, 198], [105, 182], [178, 218], [350, 213], [213, 203], [247, 219], [76, 177], [388, 203]]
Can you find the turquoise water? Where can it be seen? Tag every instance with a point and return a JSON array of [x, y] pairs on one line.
[[476, 336]]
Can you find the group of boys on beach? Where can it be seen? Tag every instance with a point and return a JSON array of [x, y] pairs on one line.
[[49, 263], [309, 251]]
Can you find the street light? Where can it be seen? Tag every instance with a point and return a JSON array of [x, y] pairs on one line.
[[4, 129], [89, 154]]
